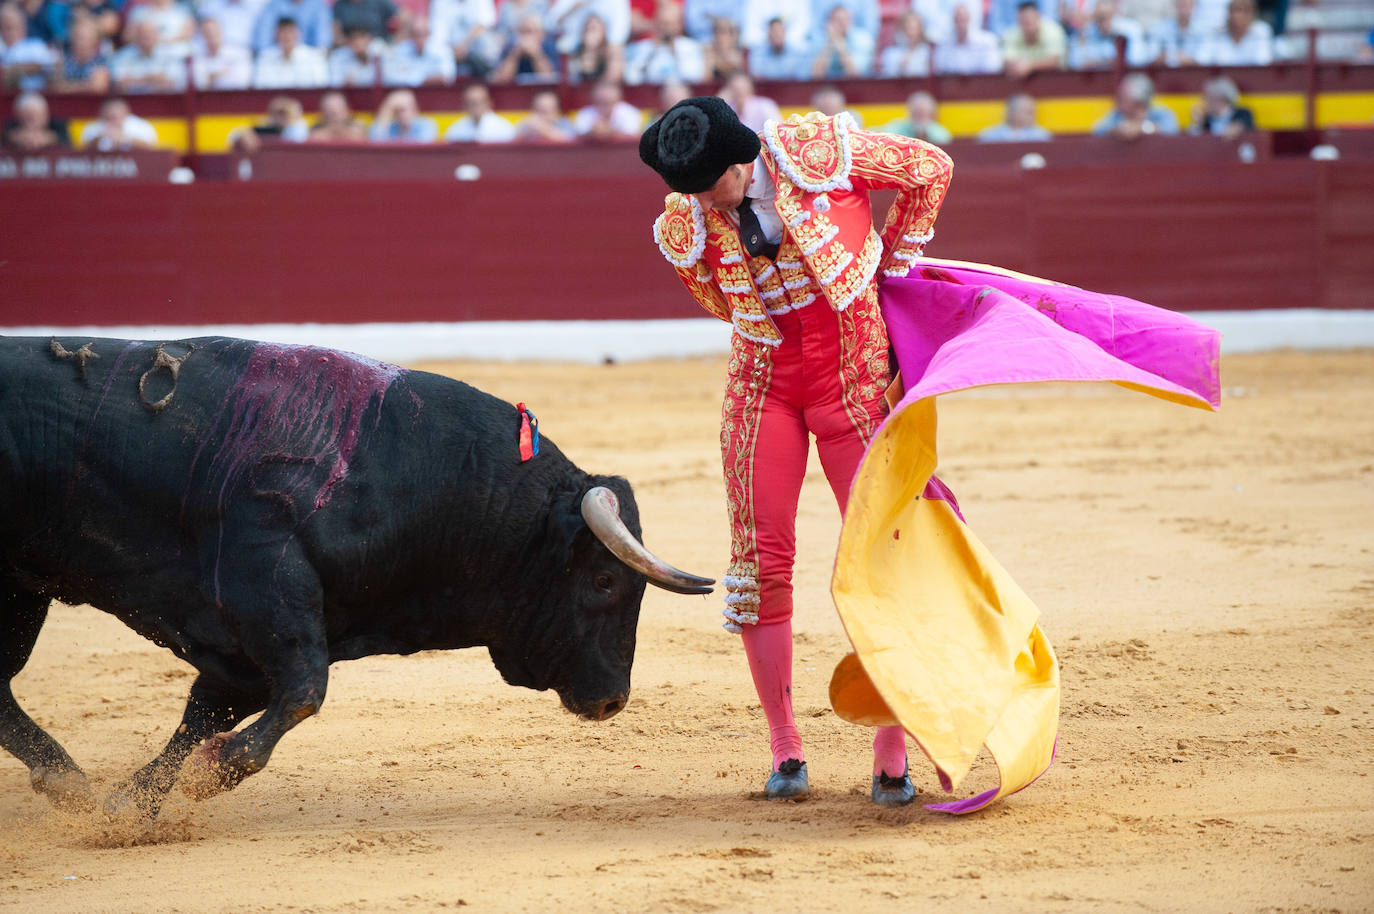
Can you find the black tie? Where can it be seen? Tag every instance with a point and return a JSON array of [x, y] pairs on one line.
[[751, 233]]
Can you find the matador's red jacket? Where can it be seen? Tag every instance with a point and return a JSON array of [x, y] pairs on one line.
[[823, 168]]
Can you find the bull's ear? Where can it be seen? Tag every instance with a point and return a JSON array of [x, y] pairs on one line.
[[565, 526]]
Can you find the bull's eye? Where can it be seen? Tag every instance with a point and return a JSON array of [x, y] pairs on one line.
[[604, 581]]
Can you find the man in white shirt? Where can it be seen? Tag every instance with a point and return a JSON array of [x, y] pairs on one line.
[[969, 49], [288, 64], [609, 116], [667, 54], [117, 129], [412, 63], [217, 65], [479, 124], [144, 67], [26, 62], [235, 18], [759, 14], [354, 63], [1244, 42]]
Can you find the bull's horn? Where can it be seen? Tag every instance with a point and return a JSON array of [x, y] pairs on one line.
[[601, 511]]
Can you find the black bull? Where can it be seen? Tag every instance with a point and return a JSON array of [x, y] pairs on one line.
[[264, 510]]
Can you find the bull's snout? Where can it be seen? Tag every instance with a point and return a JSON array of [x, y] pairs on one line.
[[605, 710]]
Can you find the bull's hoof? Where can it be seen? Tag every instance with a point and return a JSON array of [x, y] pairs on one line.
[[214, 768], [890, 791], [65, 788], [788, 782], [129, 803]]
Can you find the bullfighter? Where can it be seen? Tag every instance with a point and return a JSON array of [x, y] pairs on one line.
[[774, 233]]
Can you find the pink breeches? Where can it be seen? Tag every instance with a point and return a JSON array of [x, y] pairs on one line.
[[826, 378]]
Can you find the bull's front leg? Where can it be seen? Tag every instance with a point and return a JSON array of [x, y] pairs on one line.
[[278, 615], [211, 708]]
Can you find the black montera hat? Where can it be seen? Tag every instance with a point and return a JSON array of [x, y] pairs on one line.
[[696, 142]]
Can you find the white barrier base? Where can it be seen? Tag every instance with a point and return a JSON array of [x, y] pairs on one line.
[[624, 341]]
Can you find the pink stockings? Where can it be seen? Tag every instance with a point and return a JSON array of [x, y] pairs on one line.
[[769, 649]]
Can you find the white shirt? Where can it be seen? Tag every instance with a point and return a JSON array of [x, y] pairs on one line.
[[1255, 48], [649, 61], [761, 193], [407, 65], [980, 53], [134, 128], [235, 18], [129, 63], [757, 14], [345, 69], [231, 68], [492, 128], [625, 118], [305, 70]]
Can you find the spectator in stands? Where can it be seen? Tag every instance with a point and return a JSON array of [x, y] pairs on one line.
[[1093, 46], [566, 18], [479, 123], [1034, 43], [865, 15], [776, 59], [1005, 14], [314, 23], [47, 20], [356, 61], [531, 58], [216, 65], [595, 58], [667, 54], [83, 68], [285, 121], [724, 55], [669, 94], [969, 48], [1175, 41], [413, 62], [33, 129], [1135, 114], [909, 53], [1147, 12], [1018, 125], [377, 17], [143, 67], [1245, 41], [236, 19], [700, 16], [830, 101], [1220, 112], [117, 128], [842, 50], [25, 61], [758, 18], [752, 110], [337, 123], [468, 29], [510, 13], [920, 122], [545, 123], [288, 64], [174, 24], [399, 120], [609, 116]]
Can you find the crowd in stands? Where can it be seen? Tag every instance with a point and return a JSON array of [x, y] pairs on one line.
[[122, 48], [133, 46]]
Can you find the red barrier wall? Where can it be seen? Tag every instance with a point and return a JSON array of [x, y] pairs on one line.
[[1280, 233]]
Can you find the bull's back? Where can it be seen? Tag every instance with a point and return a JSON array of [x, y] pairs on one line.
[[119, 459]]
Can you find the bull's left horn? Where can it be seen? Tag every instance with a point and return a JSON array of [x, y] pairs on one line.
[[601, 511]]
